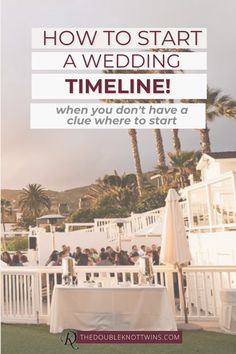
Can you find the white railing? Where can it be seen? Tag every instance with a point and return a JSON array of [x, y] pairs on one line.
[[26, 292], [144, 220], [85, 226], [132, 225], [100, 224]]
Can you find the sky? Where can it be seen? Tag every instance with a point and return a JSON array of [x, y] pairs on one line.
[[65, 159]]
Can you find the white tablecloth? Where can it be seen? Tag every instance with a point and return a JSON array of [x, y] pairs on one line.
[[132, 308], [228, 310]]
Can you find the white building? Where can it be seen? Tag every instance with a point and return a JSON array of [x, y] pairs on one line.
[[210, 210], [215, 164]]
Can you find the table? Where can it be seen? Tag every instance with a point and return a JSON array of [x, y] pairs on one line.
[[118, 308], [228, 310]]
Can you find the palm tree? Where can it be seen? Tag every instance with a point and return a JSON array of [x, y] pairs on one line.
[[5, 205], [136, 156], [217, 105], [119, 181], [182, 164], [175, 135], [34, 199], [160, 147], [175, 132], [176, 140], [132, 133], [114, 190]]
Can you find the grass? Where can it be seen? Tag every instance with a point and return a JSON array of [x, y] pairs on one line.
[[33, 339]]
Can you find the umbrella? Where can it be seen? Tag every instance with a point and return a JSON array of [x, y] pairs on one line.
[[51, 219], [174, 246]]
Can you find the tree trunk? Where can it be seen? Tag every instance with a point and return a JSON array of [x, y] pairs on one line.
[[159, 147], [205, 143], [138, 169], [3, 222], [176, 140]]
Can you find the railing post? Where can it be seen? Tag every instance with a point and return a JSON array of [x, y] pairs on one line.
[[234, 191], [209, 205], [37, 294], [189, 210]]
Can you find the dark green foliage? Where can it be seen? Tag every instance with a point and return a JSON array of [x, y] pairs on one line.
[[34, 200], [150, 200], [88, 215], [17, 243]]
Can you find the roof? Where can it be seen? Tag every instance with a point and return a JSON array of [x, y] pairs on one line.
[[223, 155], [216, 156], [51, 216]]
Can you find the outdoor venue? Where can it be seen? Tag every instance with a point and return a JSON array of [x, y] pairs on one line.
[[118, 226], [209, 218]]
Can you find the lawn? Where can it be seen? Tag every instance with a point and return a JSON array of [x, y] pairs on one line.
[[32, 339]]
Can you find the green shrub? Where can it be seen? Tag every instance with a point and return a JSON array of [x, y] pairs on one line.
[[17, 244], [88, 215], [150, 200]]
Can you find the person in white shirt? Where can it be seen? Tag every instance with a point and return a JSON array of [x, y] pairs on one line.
[[142, 251]]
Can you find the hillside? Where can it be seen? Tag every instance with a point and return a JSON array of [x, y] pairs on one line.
[[71, 196]]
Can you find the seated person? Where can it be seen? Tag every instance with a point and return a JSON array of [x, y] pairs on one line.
[[16, 260], [6, 259], [104, 259], [24, 260]]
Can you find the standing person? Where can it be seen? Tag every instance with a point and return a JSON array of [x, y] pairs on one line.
[[135, 261], [94, 255], [77, 253], [62, 255], [68, 252], [89, 255], [81, 259], [142, 251], [134, 249], [148, 252], [102, 250], [53, 258], [135, 258], [156, 254], [64, 248], [156, 261], [112, 254], [123, 258]]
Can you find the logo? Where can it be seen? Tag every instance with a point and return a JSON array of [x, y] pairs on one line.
[[69, 337], [72, 337]]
